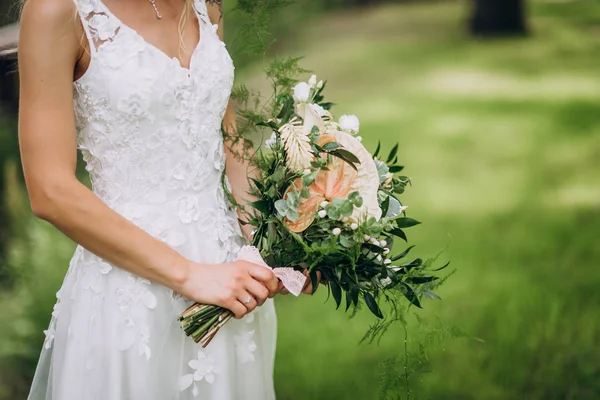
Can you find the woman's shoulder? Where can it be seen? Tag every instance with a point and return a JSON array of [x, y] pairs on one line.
[[49, 14]]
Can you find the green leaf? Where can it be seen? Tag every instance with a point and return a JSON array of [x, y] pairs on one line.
[[344, 241], [431, 295], [441, 268], [333, 212], [304, 193], [348, 300], [327, 106], [258, 184], [400, 233], [403, 254], [410, 294], [331, 146], [260, 205], [372, 247], [336, 291], [377, 149], [417, 262], [406, 222], [307, 180], [347, 209], [313, 280], [392, 153], [396, 168], [372, 304], [271, 191], [354, 292], [418, 280], [348, 155], [292, 215], [385, 205]]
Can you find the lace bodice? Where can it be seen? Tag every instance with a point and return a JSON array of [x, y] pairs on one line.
[[148, 128]]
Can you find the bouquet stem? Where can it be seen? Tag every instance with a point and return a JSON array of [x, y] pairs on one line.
[[202, 322]]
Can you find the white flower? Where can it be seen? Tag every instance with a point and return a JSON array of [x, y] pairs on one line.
[[382, 243], [319, 84], [102, 27], [204, 368], [387, 261], [297, 147], [301, 92], [359, 138], [349, 123], [324, 203], [336, 231], [306, 171], [322, 213], [386, 251], [188, 209], [375, 241], [385, 281], [319, 110], [312, 81], [344, 219], [367, 237], [354, 226], [270, 142], [245, 346]]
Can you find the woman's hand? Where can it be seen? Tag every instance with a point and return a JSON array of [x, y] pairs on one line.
[[308, 287], [239, 286]]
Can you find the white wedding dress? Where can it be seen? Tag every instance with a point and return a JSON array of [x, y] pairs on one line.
[[149, 132]]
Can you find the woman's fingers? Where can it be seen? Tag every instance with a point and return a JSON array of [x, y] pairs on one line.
[[258, 291], [237, 308], [264, 275], [308, 287]]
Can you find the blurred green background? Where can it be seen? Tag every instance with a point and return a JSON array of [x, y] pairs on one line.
[[502, 138]]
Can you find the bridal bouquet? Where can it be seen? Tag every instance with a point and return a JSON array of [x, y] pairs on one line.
[[324, 203]]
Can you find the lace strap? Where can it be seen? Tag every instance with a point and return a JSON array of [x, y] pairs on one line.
[[98, 22], [200, 6]]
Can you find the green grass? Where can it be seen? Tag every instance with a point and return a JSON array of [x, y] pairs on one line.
[[502, 139]]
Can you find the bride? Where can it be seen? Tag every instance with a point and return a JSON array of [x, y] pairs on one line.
[[141, 88]]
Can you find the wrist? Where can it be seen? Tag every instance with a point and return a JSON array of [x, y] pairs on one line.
[[180, 276]]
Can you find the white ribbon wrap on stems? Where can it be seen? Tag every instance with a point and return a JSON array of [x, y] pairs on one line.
[[292, 280]]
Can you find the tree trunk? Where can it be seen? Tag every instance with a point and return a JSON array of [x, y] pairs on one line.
[[498, 18]]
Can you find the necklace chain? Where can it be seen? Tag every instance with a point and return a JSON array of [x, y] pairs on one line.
[[158, 14]]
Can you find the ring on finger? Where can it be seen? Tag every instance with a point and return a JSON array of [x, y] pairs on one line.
[[248, 300]]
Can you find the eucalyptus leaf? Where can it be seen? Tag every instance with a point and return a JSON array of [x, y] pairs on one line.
[[394, 208], [347, 209]]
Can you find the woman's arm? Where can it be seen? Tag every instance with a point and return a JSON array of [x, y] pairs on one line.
[[237, 168], [50, 44]]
